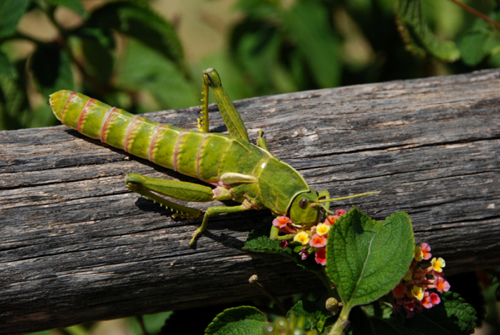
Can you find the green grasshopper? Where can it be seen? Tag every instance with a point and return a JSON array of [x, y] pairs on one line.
[[238, 169]]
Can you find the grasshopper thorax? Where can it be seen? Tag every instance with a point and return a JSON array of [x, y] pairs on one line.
[[305, 209]]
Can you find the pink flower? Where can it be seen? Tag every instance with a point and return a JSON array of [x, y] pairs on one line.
[[426, 301], [430, 300], [317, 241], [414, 293], [441, 284], [281, 221], [426, 251], [320, 256], [330, 220], [435, 299], [340, 212]]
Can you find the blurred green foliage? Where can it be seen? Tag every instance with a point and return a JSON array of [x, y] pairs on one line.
[[124, 53]]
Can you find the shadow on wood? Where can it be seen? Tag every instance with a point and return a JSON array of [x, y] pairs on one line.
[[77, 246]]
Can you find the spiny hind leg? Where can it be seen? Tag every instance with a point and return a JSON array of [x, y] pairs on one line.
[[214, 211], [152, 188]]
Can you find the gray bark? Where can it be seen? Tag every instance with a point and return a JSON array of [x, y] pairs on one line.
[[76, 245]]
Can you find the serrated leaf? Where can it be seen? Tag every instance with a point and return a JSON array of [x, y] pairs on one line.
[[307, 23], [258, 241], [74, 5], [51, 69], [452, 316], [136, 19], [314, 316], [11, 12], [366, 258], [417, 34], [7, 70], [244, 320]]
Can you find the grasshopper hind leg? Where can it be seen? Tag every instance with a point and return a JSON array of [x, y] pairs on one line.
[[156, 188]]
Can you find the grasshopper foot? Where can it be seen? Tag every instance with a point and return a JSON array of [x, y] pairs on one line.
[[195, 235]]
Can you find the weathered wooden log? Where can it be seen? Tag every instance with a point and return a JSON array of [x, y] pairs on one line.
[[76, 245]]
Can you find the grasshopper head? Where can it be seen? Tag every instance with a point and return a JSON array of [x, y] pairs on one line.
[[305, 210]]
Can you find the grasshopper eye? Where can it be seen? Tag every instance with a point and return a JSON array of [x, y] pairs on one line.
[[303, 203]]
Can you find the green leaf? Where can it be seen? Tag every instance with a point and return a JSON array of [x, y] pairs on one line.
[[11, 12], [152, 322], [136, 19], [417, 34], [51, 69], [243, 320], [308, 25], [366, 258], [7, 70], [314, 316], [472, 47], [74, 5], [481, 41], [256, 46], [143, 68], [258, 241], [452, 316]]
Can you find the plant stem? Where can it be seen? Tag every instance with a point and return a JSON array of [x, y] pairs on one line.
[[341, 323], [476, 13]]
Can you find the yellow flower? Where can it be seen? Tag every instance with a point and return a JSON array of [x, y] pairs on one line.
[[417, 292], [301, 237], [438, 264], [322, 229]]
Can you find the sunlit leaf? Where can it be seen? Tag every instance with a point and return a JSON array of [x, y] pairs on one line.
[[366, 258]]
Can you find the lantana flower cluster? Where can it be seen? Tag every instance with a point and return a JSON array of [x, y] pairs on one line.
[[420, 286], [311, 241]]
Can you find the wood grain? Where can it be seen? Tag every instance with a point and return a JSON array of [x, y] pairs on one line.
[[76, 245]]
